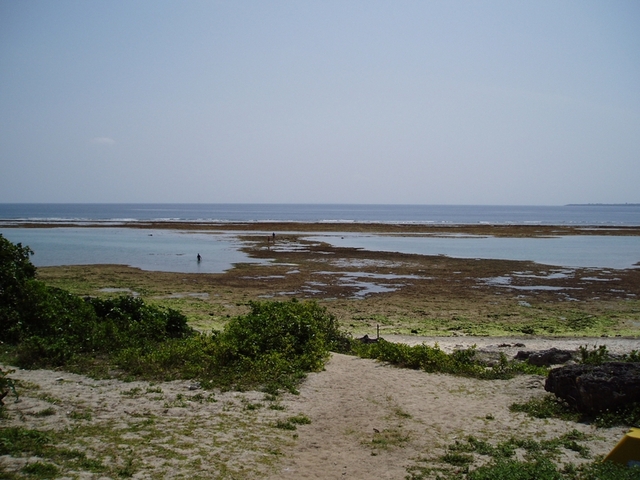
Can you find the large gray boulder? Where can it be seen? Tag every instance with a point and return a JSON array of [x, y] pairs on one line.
[[595, 388]]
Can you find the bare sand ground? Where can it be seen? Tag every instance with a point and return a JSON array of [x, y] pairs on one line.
[[370, 420]]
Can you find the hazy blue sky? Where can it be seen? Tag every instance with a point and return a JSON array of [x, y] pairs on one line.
[[436, 102]]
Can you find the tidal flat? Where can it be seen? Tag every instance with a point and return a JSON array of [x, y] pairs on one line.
[[401, 294]]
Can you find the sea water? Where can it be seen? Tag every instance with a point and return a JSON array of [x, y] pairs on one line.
[[596, 215], [153, 250], [595, 251], [174, 251]]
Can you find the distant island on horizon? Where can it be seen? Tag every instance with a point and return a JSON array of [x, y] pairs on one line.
[[603, 205]]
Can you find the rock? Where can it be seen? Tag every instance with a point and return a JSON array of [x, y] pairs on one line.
[[595, 388], [366, 339], [549, 357], [546, 358]]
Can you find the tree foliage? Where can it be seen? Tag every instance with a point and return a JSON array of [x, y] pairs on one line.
[[17, 275]]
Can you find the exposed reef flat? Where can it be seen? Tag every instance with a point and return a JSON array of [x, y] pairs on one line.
[[498, 230]]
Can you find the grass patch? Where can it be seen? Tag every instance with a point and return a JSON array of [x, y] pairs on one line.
[[80, 415], [47, 412], [292, 422], [41, 470], [18, 441], [475, 459], [548, 406]]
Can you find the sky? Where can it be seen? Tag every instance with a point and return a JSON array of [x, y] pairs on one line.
[[527, 102]]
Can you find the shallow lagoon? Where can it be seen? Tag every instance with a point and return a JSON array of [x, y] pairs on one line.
[[175, 251], [596, 251], [154, 250]]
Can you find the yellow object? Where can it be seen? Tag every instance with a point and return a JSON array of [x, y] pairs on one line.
[[627, 451]]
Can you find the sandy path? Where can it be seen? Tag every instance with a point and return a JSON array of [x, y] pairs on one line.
[[416, 415]]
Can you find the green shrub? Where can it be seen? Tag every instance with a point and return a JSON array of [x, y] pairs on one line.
[[435, 360], [16, 273], [53, 327], [128, 322], [273, 346], [62, 328], [595, 356], [302, 333]]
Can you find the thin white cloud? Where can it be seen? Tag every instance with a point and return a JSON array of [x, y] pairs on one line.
[[103, 141]]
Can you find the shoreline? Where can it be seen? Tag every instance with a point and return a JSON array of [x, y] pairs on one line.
[[294, 227]]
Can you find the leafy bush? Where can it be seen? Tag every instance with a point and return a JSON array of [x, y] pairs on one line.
[[273, 346], [53, 327], [127, 321], [16, 274], [595, 356], [600, 355], [435, 360], [302, 333], [61, 327]]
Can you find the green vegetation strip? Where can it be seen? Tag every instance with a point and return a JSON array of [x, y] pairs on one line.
[[434, 360]]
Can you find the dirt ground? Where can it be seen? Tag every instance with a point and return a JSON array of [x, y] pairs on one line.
[[367, 419]]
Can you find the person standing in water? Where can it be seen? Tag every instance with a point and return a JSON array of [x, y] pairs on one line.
[[199, 258]]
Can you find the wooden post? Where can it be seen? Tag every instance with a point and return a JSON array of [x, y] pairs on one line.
[[377, 331]]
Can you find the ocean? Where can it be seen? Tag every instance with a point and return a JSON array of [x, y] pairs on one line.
[[175, 251], [596, 215]]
